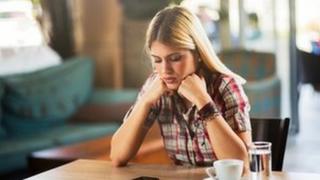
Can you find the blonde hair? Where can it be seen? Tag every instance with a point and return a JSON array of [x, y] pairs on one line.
[[178, 27]]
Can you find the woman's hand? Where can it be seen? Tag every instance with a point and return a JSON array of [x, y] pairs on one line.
[[154, 90], [195, 90]]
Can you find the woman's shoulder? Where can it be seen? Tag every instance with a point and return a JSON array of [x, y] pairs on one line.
[[149, 79], [219, 78], [221, 81]]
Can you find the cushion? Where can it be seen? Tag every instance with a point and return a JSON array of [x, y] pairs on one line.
[[38, 100]]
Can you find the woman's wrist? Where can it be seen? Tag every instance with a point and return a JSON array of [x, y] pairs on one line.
[[144, 103], [208, 110], [202, 101]]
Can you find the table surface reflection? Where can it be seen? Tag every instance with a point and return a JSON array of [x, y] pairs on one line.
[[97, 169]]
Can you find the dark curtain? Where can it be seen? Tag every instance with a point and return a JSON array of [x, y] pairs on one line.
[[309, 66], [61, 31]]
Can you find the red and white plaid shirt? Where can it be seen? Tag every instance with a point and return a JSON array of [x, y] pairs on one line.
[[183, 130]]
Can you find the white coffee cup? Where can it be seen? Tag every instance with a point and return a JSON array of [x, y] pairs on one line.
[[226, 169]]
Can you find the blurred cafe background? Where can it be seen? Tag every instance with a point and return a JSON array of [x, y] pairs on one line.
[[274, 44]]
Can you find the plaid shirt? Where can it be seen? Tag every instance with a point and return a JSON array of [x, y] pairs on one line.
[[183, 129]]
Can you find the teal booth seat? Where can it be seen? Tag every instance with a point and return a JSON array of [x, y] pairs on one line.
[[14, 150], [263, 86], [36, 109], [264, 97]]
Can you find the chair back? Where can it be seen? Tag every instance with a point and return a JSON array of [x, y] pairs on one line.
[[275, 131], [251, 65]]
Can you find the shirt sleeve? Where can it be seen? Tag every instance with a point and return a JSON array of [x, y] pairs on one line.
[[237, 106], [153, 113]]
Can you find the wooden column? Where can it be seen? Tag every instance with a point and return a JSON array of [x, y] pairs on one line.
[[137, 65], [97, 27], [60, 20], [225, 32]]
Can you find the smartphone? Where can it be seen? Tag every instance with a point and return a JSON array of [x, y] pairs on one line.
[[146, 178]]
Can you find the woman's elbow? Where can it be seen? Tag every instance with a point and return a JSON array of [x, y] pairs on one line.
[[117, 158], [117, 161]]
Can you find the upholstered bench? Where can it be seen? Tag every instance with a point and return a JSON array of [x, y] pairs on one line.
[[55, 107]]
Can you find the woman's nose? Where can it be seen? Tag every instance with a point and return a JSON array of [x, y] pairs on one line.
[[166, 67]]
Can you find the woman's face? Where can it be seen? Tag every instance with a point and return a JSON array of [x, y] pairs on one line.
[[172, 64]]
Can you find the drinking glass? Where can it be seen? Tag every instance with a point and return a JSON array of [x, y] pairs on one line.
[[260, 159]]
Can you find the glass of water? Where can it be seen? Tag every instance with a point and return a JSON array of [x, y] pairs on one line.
[[260, 159]]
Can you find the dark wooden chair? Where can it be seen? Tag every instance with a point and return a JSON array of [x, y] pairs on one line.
[[275, 131]]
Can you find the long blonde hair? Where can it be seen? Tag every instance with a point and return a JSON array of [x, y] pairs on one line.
[[178, 27]]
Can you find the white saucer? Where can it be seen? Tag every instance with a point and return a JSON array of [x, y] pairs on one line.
[[210, 178], [214, 178]]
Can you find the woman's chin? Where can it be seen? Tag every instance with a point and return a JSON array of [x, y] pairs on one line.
[[172, 87]]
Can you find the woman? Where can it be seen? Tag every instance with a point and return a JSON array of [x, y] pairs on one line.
[[198, 102]]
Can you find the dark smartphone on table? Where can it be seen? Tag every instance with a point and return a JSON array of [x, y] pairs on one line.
[[146, 178]]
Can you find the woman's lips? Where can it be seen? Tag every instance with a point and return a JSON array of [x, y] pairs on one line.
[[169, 80]]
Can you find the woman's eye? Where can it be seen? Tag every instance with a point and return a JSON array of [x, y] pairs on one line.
[[176, 57], [156, 60]]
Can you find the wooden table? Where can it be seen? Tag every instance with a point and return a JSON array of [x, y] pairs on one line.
[[96, 170], [151, 152]]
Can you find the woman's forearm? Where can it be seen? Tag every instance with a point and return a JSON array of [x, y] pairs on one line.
[[128, 138], [225, 142]]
